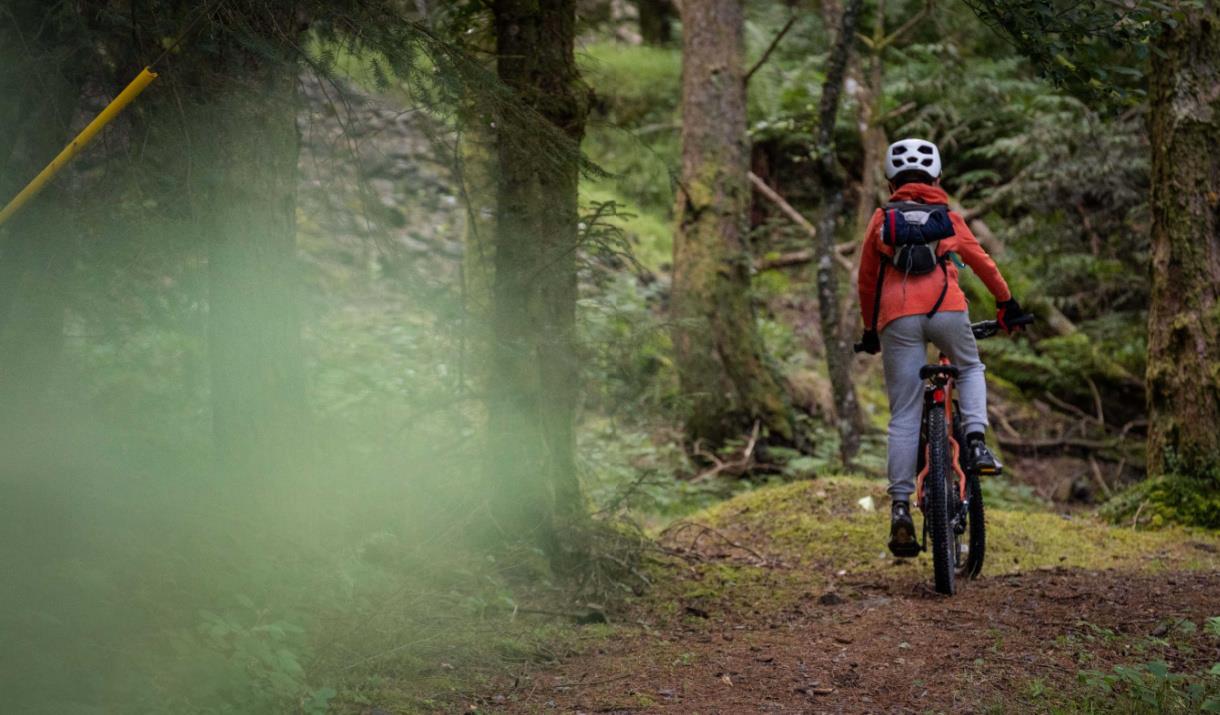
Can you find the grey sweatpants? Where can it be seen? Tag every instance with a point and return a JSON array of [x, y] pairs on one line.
[[903, 351]]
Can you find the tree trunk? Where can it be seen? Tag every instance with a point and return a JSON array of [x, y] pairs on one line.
[[656, 21], [1184, 316], [725, 377], [36, 245], [477, 175], [839, 358], [248, 212], [535, 371]]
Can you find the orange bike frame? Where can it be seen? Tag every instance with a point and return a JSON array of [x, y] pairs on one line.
[[956, 448]]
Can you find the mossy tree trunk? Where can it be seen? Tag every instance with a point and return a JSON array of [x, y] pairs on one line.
[[835, 335], [246, 205], [1184, 316], [535, 371], [726, 380]]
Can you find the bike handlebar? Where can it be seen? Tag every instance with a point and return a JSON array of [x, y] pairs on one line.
[[987, 328]]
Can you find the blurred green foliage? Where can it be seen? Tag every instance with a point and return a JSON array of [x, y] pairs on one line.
[[140, 586]]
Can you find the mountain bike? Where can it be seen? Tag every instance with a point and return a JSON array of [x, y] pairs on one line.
[[947, 490]]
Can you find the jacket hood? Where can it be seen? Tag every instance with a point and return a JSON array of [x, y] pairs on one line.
[[921, 193]]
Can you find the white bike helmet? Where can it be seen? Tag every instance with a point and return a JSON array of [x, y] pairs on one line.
[[912, 154]]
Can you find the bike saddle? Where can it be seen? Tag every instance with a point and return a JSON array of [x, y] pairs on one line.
[[929, 370]]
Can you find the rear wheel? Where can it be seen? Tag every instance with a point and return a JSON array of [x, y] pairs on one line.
[[976, 528], [939, 503]]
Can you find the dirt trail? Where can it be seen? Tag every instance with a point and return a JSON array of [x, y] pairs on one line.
[[885, 648], [742, 626]]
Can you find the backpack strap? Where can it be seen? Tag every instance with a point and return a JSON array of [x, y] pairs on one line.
[[944, 267], [877, 299], [913, 206]]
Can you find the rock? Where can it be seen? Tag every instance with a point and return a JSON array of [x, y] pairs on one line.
[[831, 598]]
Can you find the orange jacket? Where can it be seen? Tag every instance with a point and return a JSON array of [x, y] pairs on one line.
[[903, 295]]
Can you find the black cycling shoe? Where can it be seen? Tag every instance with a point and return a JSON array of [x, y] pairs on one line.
[[979, 459], [902, 531]]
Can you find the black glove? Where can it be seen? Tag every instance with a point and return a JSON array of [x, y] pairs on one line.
[[1006, 312], [869, 343]]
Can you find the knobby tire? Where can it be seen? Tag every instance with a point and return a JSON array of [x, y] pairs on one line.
[[977, 531], [938, 500]]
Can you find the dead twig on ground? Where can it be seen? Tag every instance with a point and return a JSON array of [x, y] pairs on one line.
[[682, 526], [1135, 520], [1097, 477], [1101, 415], [736, 467]]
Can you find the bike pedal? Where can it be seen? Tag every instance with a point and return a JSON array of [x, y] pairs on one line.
[[905, 551], [990, 471]]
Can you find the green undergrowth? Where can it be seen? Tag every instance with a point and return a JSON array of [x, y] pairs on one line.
[[1171, 670], [1167, 500]]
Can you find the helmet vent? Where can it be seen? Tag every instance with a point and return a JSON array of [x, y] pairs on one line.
[[912, 155]]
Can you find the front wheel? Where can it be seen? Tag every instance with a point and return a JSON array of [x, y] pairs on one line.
[[938, 502]]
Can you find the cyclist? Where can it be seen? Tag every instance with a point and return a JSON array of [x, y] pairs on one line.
[[904, 309]]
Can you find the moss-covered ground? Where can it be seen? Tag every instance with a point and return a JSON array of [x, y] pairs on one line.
[[784, 598]]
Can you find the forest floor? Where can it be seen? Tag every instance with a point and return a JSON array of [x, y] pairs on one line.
[[783, 600]]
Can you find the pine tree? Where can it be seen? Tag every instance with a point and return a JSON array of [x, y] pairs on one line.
[[535, 371], [1184, 316], [725, 377]]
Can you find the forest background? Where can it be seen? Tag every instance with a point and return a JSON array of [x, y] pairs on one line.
[[379, 340]]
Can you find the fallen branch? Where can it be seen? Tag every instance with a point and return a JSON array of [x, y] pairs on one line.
[[681, 526], [802, 256], [1069, 407], [739, 466], [796, 217], [1135, 520], [1005, 423], [1063, 444], [786, 260], [1097, 477]]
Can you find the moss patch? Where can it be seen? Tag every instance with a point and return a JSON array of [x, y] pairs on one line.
[[821, 526], [1167, 500]]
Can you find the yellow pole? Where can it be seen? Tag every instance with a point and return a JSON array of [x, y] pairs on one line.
[[82, 140]]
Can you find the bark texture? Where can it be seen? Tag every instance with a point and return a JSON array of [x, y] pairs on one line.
[[1184, 316], [535, 372], [835, 334], [36, 249], [725, 377], [247, 206]]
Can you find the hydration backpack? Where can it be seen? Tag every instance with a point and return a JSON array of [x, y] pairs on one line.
[[914, 231]]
